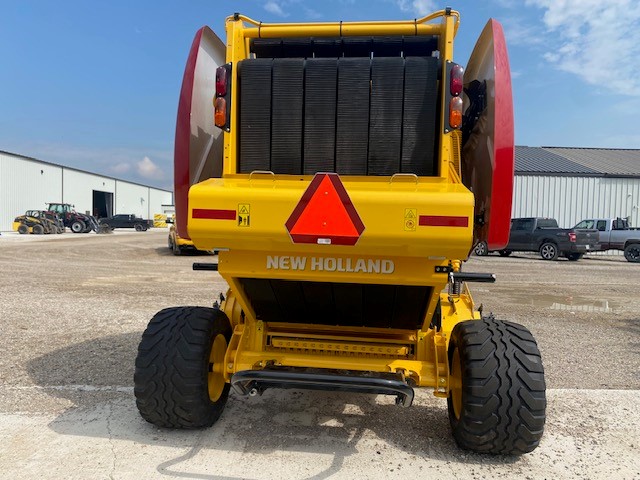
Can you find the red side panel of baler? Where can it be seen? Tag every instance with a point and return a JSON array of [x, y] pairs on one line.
[[488, 153], [198, 143]]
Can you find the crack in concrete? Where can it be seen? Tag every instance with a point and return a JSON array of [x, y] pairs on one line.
[[113, 447]]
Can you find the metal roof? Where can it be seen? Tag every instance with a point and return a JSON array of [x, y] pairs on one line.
[[606, 161], [539, 160], [25, 157]]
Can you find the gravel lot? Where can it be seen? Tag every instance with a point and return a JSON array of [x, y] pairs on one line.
[[72, 308]]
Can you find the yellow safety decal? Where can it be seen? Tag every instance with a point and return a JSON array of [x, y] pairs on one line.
[[410, 219], [244, 210]]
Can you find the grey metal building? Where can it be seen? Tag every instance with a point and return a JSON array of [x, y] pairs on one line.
[[570, 184], [28, 184]]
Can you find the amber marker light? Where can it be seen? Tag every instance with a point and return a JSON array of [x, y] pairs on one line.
[[220, 115], [455, 112]]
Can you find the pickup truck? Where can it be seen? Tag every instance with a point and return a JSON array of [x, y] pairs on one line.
[[615, 234], [544, 236], [125, 221]]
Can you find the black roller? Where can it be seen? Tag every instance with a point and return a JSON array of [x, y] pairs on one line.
[[321, 75], [319, 306], [387, 46], [348, 302], [334, 47], [352, 130], [357, 46], [419, 46], [420, 112], [327, 47], [297, 47], [286, 117], [263, 299], [410, 305], [385, 124], [267, 47], [344, 304], [255, 115]]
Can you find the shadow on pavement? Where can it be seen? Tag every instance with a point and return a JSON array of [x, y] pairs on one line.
[[99, 374]]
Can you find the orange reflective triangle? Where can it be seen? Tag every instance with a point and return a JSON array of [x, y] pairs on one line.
[[325, 214]]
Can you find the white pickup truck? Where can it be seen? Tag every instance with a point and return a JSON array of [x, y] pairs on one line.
[[615, 234]]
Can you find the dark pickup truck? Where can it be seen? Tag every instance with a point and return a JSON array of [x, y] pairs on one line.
[[125, 221], [544, 236]]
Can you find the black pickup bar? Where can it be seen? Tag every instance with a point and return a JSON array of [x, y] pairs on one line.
[[472, 277], [205, 266], [254, 382]]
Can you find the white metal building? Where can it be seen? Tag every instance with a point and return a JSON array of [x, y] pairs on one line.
[[571, 184], [28, 184]]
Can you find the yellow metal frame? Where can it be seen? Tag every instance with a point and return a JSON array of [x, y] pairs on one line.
[[420, 256]]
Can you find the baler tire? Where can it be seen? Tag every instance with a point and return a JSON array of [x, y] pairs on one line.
[[549, 251], [172, 379], [632, 252], [497, 405]]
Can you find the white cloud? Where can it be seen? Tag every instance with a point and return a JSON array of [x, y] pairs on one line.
[[147, 169], [274, 7], [595, 40], [518, 32], [312, 14], [120, 168], [417, 7]]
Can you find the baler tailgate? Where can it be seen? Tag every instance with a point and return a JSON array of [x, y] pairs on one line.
[[425, 217]]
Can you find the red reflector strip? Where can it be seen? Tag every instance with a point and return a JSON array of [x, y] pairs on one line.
[[442, 221], [208, 214]]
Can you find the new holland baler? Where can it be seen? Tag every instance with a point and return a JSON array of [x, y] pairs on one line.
[[344, 171]]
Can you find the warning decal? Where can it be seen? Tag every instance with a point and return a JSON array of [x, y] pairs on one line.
[[410, 219], [244, 209]]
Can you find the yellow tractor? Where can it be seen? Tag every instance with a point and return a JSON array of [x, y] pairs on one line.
[[345, 172], [38, 222]]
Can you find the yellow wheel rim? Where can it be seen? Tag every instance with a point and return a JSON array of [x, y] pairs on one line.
[[216, 364], [456, 384]]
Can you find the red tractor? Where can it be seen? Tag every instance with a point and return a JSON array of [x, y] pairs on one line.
[[77, 222]]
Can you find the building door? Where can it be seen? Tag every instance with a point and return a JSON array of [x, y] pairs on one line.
[[102, 204]]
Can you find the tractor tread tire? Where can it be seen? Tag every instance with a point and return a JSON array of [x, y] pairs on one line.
[[78, 226], [171, 369], [503, 388]]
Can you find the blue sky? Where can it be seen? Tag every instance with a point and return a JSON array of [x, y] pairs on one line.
[[95, 85]]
